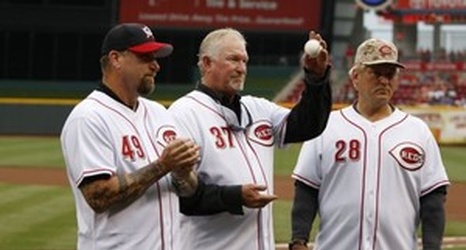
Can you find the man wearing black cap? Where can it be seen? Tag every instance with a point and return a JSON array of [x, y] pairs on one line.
[[124, 162]]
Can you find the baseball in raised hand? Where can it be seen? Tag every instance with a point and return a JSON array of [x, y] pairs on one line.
[[312, 48], [315, 57]]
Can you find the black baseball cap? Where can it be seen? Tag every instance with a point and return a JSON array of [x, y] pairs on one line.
[[135, 37]]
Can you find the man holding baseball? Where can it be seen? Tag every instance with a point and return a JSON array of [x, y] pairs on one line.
[[375, 173], [231, 208], [124, 161]]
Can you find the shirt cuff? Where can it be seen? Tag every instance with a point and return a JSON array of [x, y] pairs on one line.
[[233, 198]]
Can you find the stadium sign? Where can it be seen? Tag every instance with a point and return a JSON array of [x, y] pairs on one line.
[[431, 4], [276, 15]]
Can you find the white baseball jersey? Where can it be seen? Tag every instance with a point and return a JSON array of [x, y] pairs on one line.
[[370, 177], [231, 157], [102, 136]]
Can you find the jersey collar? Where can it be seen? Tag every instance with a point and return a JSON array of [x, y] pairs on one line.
[[106, 90], [355, 107], [234, 105]]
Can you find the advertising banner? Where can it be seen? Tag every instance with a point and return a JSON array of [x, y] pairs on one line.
[[431, 4], [276, 15], [447, 124]]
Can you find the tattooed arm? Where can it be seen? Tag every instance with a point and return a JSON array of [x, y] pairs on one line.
[[104, 192], [185, 184]]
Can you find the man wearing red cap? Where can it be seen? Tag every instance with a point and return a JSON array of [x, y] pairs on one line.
[[124, 161]]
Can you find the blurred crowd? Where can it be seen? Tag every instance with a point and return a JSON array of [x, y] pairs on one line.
[[443, 55], [417, 87], [421, 88]]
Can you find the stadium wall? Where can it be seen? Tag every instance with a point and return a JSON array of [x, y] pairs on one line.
[[32, 119], [22, 116]]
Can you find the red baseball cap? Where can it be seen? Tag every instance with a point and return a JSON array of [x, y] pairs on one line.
[[134, 37]]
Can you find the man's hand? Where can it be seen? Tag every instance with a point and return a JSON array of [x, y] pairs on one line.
[[299, 247], [298, 244], [180, 156], [253, 198], [319, 64]]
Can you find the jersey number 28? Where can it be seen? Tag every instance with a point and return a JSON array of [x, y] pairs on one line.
[[345, 150]]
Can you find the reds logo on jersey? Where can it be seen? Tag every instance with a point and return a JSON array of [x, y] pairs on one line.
[[409, 156], [261, 132], [165, 134]]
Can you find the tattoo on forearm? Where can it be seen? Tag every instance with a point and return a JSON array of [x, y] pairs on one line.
[[123, 184], [96, 195], [185, 186], [159, 169], [101, 196]]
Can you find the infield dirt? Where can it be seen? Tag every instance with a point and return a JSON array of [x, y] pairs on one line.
[[455, 205]]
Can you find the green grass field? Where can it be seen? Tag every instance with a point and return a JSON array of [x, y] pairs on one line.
[[36, 217]]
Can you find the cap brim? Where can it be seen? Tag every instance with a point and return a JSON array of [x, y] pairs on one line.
[[384, 62], [159, 49]]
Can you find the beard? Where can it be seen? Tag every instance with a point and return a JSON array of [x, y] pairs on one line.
[[237, 84], [147, 85]]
